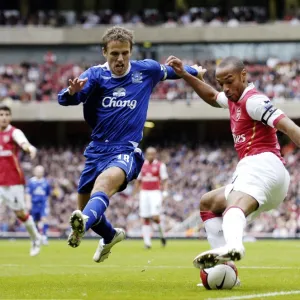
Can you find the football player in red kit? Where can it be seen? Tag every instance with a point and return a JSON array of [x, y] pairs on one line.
[[152, 183], [12, 192], [261, 181]]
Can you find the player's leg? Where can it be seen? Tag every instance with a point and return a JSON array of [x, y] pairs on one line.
[[16, 201], [156, 209], [31, 228], [106, 184], [44, 228], [145, 214], [212, 205]]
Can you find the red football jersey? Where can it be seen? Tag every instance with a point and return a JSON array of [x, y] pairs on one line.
[[252, 136], [152, 174], [10, 169]]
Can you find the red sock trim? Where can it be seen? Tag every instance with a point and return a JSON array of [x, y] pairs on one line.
[[226, 210], [24, 219], [206, 215]]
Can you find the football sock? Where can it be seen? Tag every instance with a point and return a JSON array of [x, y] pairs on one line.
[[95, 208], [146, 231], [104, 229], [234, 223], [161, 232], [45, 229], [31, 228], [213, 228]]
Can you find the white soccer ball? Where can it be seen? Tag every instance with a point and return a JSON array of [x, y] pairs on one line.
[[220, 277]]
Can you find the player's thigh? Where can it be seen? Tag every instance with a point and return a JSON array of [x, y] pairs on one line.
[[15, 197], [144, 205], [214, 201], [155, 203], [109, 181], [82, 200]]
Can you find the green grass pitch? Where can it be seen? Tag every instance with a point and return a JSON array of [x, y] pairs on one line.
[[132, 273]]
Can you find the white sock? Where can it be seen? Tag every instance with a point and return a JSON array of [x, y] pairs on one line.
[[234, 223], [31, 228], [146, 231], [214, 231]]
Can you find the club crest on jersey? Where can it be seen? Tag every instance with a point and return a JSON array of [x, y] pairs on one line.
[[5, 138], [137, 77], [238, 113], [154, 169], [119, 92]]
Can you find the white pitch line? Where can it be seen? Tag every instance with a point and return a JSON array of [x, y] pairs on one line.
[[254, 296]]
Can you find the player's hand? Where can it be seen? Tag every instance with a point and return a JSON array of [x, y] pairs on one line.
[[201, 71], [32, 151], [76, 85], [177, 65]]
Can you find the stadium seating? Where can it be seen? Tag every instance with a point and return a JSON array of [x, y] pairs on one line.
[[192, 173]]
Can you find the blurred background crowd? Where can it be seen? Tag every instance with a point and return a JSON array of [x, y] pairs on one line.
[[195, 16], [192, 172], [32, 81]]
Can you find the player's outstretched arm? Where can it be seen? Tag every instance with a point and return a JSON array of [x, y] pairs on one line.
[[20, 138], [78, 90], [287, 126], [205, 91]]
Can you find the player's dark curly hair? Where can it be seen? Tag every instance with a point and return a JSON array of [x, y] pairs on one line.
[[117, 33]]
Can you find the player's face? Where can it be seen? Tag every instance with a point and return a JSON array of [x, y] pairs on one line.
[[233, 82], [5, 119], [118, 55], [150, 154]]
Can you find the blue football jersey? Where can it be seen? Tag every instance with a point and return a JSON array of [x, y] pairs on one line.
[[38, 189], [115, 107]]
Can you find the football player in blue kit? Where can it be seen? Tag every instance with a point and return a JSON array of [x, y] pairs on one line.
[[115, 99], [38, 191]]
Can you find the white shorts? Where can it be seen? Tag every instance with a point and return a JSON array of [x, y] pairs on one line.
[[262, 176], [150, 203], [13, 196]]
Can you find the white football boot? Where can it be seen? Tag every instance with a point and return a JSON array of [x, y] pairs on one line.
[[77, 222], [35, 246], [103, 250], [220, 255]]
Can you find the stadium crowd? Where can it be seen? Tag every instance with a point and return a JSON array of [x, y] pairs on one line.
[[192, 172], [195, 16], [41, 82]]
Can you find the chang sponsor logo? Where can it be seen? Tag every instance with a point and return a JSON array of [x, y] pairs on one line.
[[113, 102]]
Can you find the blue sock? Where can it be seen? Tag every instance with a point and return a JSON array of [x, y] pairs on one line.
[[45, 229], [104, 229], [95, 208]]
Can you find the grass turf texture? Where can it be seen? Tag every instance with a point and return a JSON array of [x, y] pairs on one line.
[[131, 272]]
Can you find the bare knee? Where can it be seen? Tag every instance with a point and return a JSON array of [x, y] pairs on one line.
[[156, 219], [205, 202], [21, 215], [213, 201], [109, 181]]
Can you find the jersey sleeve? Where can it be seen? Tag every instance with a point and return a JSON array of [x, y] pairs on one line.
[[162, 72], [19, 137], [65, 99], [260, 108], [222, 100], [163, 173]]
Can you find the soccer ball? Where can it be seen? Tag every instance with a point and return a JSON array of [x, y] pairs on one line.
[[220, 277]]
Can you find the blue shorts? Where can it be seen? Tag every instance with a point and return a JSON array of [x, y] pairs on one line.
[[38, 211], [101, 156]]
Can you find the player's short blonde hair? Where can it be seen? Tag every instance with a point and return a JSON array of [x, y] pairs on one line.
[[117, 33]]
